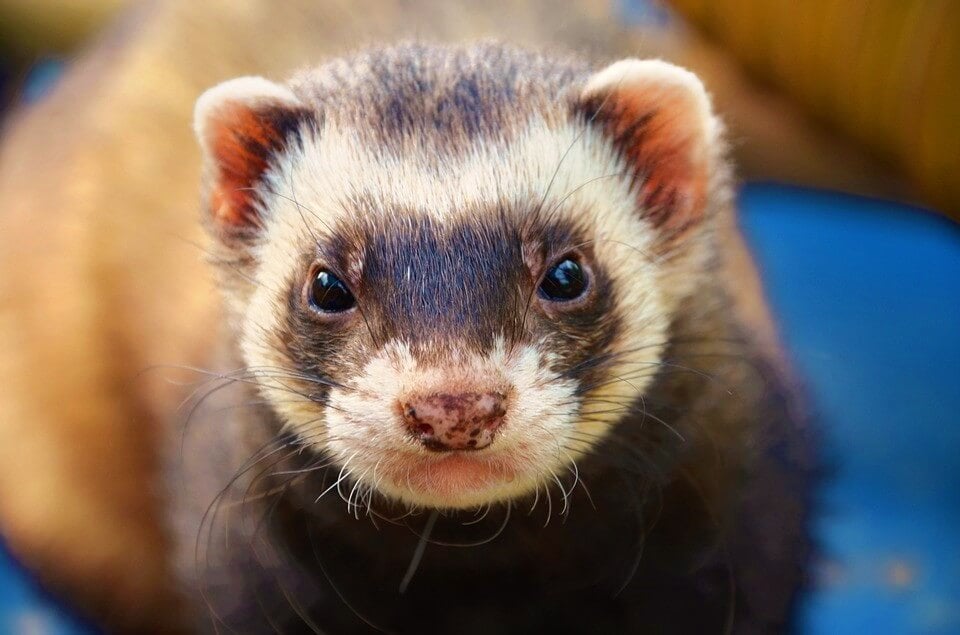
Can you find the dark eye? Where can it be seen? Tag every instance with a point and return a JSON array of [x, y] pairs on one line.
[[329, 294], [565, 280]]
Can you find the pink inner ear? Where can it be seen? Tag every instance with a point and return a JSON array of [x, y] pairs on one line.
[[242, 142], [662, 136]]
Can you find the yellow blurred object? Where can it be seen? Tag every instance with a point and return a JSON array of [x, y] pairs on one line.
[[32, 27], [884, 71]]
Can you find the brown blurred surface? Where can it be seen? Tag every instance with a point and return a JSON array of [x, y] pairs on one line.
[[29, 28], [882, 72]]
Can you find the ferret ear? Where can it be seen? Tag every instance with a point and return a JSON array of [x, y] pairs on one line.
[[659, 118], [243, 124]]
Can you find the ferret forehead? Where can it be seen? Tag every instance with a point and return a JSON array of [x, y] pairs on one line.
[[378, 227], [440, 97], [564, 171]]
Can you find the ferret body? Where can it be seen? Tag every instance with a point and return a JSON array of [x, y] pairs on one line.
[[480, 364], [464, 281]]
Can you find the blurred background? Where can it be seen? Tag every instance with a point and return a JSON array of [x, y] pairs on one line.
[[844, 118]]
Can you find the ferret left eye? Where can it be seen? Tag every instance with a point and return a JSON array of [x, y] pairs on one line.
[[329, 294], [564, 281]]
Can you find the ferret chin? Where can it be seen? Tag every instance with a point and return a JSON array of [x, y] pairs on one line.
[[466, 278]]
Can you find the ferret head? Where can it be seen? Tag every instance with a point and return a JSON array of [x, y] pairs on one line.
[[454, 269]]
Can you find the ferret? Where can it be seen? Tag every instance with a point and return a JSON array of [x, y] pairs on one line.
[[487, 378], [480, 348]]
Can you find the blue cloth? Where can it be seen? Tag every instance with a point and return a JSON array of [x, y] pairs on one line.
[[867, 294], [26, 608], [868, 297]]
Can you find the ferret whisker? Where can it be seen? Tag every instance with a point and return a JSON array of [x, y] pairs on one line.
[[536, 498], [343, 474], [485, 509], [419, 551], [648, 415], [254, 403], [566, 153], [546, 491], [370, 491], [612, 356], [306, 470], [357, 484], [566, 497], [300, 208], [209, 518], [290, 598], [652, 258], [639, 374], [574, 469], [366, 322], [229, 379], [303, 219]]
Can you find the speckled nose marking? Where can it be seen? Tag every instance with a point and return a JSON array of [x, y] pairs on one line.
[[455, 422]]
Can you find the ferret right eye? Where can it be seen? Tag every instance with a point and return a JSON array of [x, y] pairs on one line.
[[564, 281], [328, 294]]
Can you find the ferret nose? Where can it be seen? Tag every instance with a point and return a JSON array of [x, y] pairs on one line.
[[466, 421]]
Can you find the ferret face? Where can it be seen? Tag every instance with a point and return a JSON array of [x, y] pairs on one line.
[[459, 265]]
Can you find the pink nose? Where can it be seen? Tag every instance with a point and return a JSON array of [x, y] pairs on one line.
[[455, 422]]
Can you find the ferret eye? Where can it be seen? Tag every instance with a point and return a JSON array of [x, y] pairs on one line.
[[564, 281], [329, 294]]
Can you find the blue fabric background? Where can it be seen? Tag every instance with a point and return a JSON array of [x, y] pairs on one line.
[[868, 297]]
